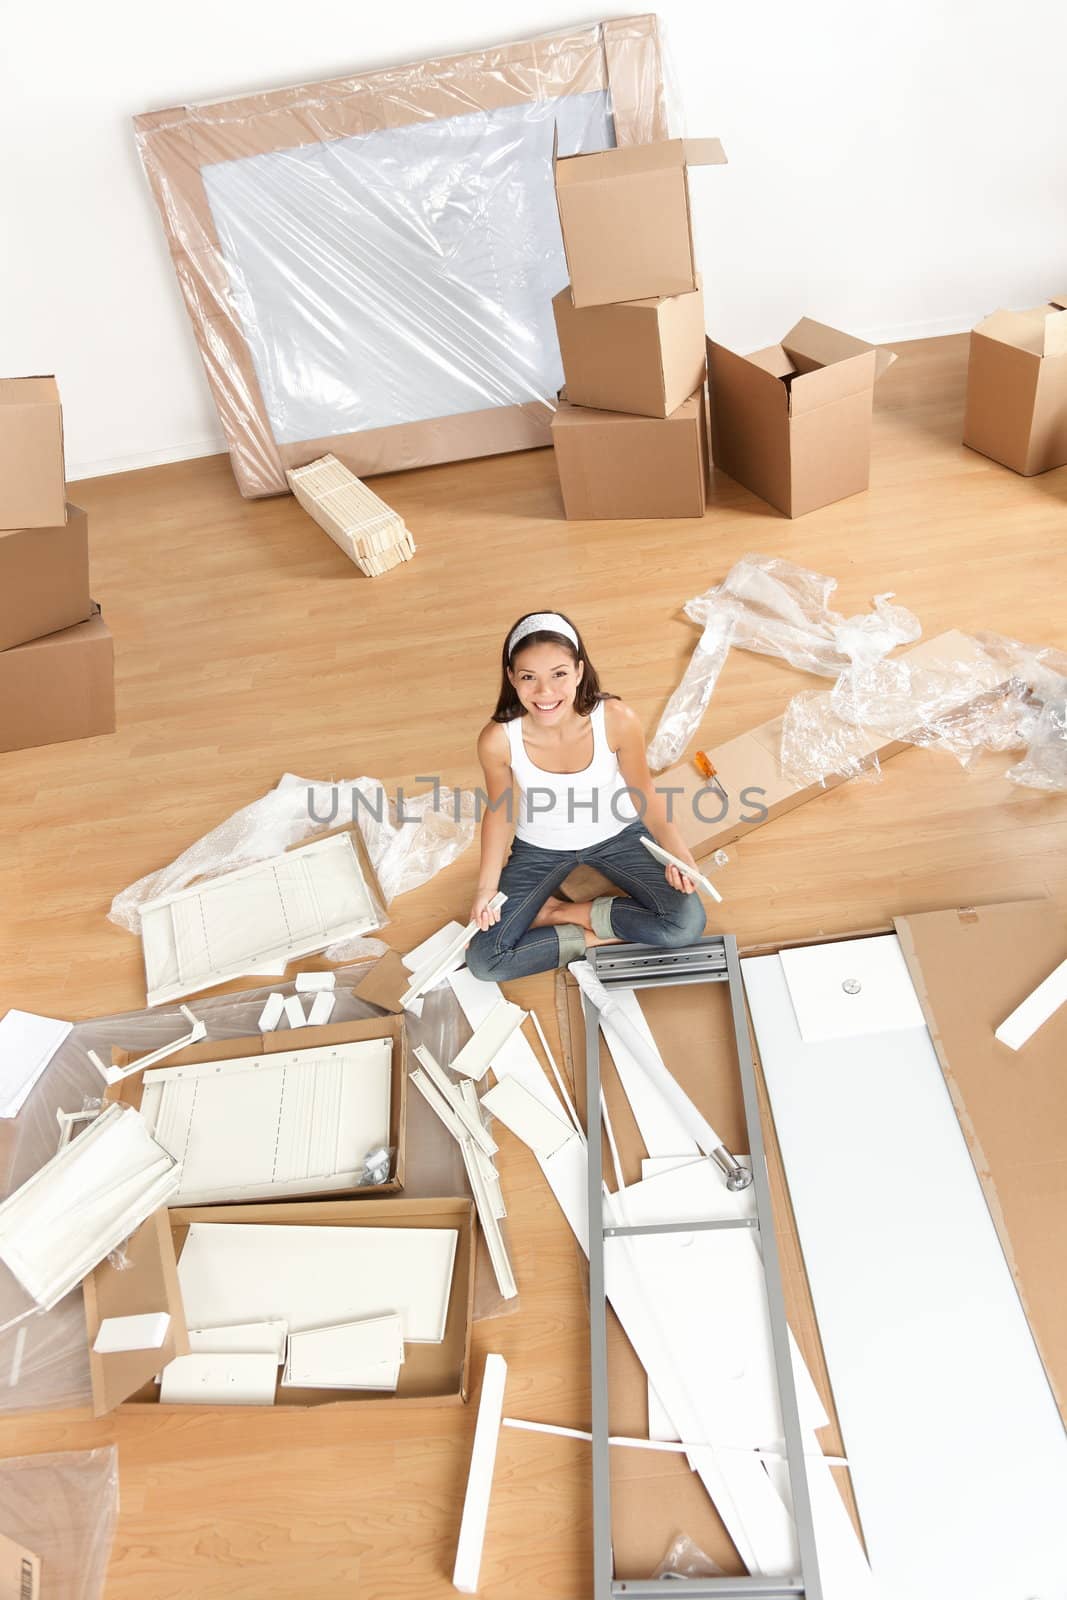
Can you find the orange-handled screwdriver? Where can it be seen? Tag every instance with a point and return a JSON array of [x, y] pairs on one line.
[[706, 767]]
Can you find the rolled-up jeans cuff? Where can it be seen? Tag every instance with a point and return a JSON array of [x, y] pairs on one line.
[[571, 943], [600, 916]]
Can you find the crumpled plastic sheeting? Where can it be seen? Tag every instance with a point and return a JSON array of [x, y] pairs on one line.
[[774, 608], [961, 709], [63, 1508], [436, 828]]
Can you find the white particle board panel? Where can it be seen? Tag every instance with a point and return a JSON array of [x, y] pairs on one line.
[[281, 1124], [351, 1355], [314, 1277], [230, 1378], [851, 988], [27, 1044], [513, 1105], [468, 1561], [957, 1451], [659, 1126]]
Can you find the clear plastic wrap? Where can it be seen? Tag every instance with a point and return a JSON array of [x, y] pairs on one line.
[[368, 262], [44, 1361], [407, 842], [63, 1508], [684, 1559], [961, 708], [775, 608], [1045, 763], [687, 704]]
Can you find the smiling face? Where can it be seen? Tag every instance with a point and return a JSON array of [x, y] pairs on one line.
[[546, 677]]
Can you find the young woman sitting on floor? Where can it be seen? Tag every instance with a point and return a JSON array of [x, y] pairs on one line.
[[566, 764]]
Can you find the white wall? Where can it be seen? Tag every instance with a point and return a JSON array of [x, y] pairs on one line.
[[897, 170]]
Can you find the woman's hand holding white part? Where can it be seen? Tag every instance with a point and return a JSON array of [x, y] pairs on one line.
[[482, 912], [678, 879]]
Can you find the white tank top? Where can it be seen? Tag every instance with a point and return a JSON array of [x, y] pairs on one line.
[[569, 810]]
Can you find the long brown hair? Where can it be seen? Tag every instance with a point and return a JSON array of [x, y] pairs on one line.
[[589, 693]]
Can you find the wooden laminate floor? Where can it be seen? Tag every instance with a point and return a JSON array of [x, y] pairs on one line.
[[247, 646]]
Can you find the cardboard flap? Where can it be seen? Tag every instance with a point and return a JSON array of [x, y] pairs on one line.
[[822, 385], [748, 373], [703, 153], [148, 1282], [1024, 330], [812, 344], [625, 161], [1055, 341]]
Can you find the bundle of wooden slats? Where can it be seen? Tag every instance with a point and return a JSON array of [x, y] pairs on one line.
[[368, 531]]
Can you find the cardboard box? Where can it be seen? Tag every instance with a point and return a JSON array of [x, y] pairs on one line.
[[44, 579], [59, 687], [432, 1374], [625, 219], [33, 490], [611, 464], [756, 788], [1017, 388], [793, 422], [641, 356], [130, 1090]]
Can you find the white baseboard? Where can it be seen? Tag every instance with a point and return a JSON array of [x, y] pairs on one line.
[[190, 450], [903, 332]]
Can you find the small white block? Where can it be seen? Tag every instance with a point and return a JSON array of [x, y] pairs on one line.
[[146, 1331], [321, 1008], [311, 982], [271, 1014], [294, 1012]]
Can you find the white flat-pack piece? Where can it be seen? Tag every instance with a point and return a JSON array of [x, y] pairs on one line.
[[293, 1011], [255, 919], [314, 1277], [321, 1008], [246, 1338], [441, 957], [527, 1118], [956, 1447], [851, 988], [232, 1378], [281, 1124], [145, 1331], [662, 1130], [351, 1355], [470, 1116], [272, 1013], [313, 982], [468, 1564], [1035, 1010], [566, 1170], [684, 867], [476, 1057], [92, 1195], [27, 1044]]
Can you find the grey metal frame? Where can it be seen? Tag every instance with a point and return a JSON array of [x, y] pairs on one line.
[[657, 973]]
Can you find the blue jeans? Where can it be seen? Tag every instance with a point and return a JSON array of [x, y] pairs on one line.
[[648, 911]]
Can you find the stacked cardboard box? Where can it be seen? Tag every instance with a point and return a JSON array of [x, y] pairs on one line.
[[630, 433], [368, 531], [57, 678]]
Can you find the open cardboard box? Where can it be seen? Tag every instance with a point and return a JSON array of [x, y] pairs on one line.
[[33, 493], [627, 233], [432, 1374], [1017, 388], [793, 422], [970, 968], [130, 1090]]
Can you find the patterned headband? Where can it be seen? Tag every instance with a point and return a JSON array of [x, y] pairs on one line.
[[541, 622]]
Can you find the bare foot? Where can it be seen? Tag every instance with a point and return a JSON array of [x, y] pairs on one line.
[[555, 912], [591, 939]]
